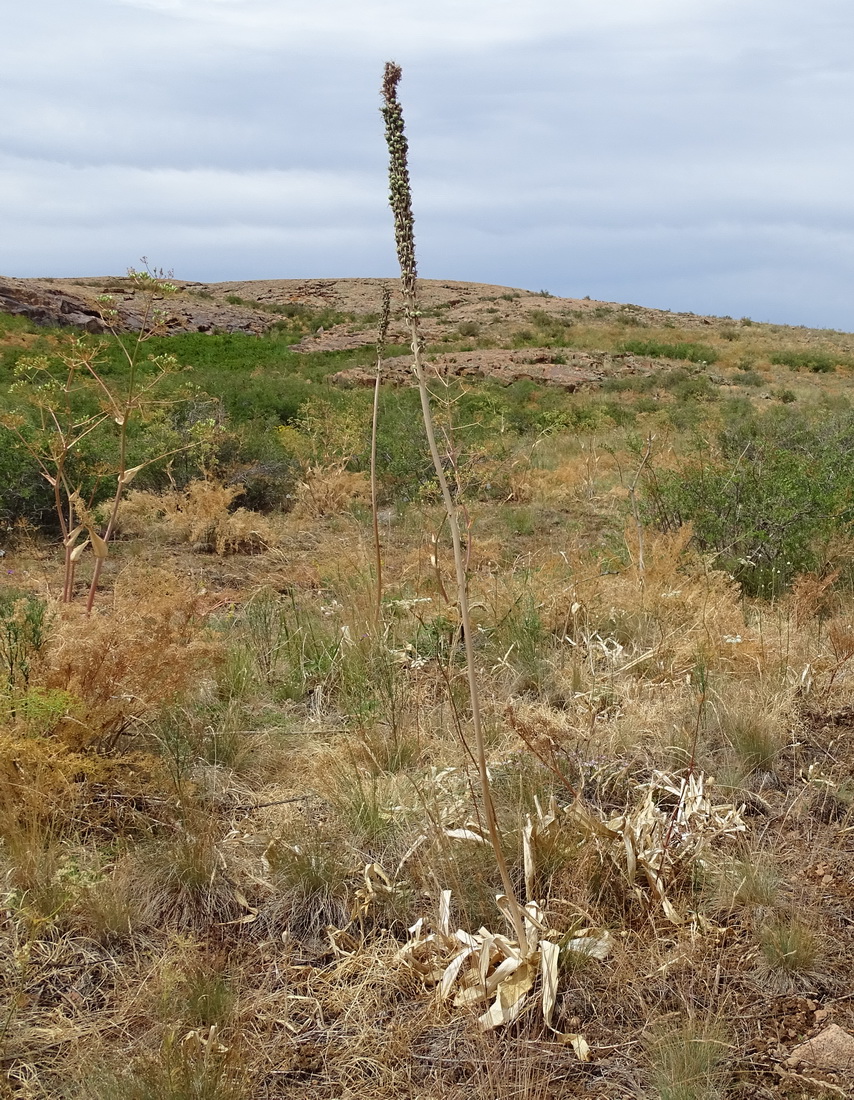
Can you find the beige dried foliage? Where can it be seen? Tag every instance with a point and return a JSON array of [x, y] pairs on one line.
[[812, 596], [656, 619], [329, 490], [585, 477], [142, 650], [670, 825], [202, 516]]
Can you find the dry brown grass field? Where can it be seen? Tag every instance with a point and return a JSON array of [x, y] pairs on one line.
[[242, 844]]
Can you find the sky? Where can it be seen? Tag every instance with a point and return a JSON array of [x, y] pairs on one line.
[[692, 155]]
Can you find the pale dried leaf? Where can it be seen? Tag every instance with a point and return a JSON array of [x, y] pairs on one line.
[[497, 1014], [510, 998], [99, 547], [452, 972], [533, 925], [445, 912], [127, 477], [240, 898], [376, 878], [528, 858], [502, 973], [77, 552], [510, 910], [247, 918], [466, 938], [465, 834], [471, 995], [72, 536], [549, 954], [508, 948]]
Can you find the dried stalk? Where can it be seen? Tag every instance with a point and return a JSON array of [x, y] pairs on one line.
[[400, 199], [382, 334]]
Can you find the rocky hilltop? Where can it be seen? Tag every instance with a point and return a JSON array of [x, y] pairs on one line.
[[489, 316], [253, 306]]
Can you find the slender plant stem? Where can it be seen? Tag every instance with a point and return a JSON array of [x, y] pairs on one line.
[[382, 334], [634, 503], [401, 204]]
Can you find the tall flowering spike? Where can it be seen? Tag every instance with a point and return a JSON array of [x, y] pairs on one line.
[[400, 199], [400, 194]]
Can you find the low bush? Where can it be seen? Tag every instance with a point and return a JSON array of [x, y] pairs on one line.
[[202, 516], [769, 499], [819, 362], [655, 349]]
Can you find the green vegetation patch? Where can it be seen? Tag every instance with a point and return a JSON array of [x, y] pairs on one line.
[[769, 498], [655, 349], [819, 362]]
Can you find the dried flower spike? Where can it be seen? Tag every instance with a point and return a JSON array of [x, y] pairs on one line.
[[400, 194]]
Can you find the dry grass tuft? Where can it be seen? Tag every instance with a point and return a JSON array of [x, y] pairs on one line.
[[689, 1060], [328, 491], [791, 952], [202, 516]]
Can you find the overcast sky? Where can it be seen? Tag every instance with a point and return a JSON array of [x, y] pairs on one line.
[[687, 154]]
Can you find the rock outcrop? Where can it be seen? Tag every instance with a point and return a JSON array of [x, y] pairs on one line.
[[47, 306], [570, 370]]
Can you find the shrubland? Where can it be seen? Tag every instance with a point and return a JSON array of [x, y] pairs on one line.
[[244, 842], [240, 824]]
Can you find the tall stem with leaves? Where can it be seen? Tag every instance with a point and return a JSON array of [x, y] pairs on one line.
[[121, 405], [400, 199], [57, 396]]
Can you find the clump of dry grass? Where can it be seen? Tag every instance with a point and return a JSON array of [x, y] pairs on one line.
[[195, 1066], [310, 875], [182, 880], [791, 951], [329, 490], [202, 516], [751, 722], [689, 1060]]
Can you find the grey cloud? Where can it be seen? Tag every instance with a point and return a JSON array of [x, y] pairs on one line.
[[690, 153]]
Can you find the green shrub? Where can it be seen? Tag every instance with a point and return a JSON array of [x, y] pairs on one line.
[[748, 378], [770, 499], [24, 625], [688, 387], [655, 349], [819, 362]]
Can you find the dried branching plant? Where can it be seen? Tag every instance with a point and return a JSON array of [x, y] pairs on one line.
[[69, 400]]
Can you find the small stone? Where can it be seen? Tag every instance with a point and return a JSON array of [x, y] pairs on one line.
[[832, 1049]]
